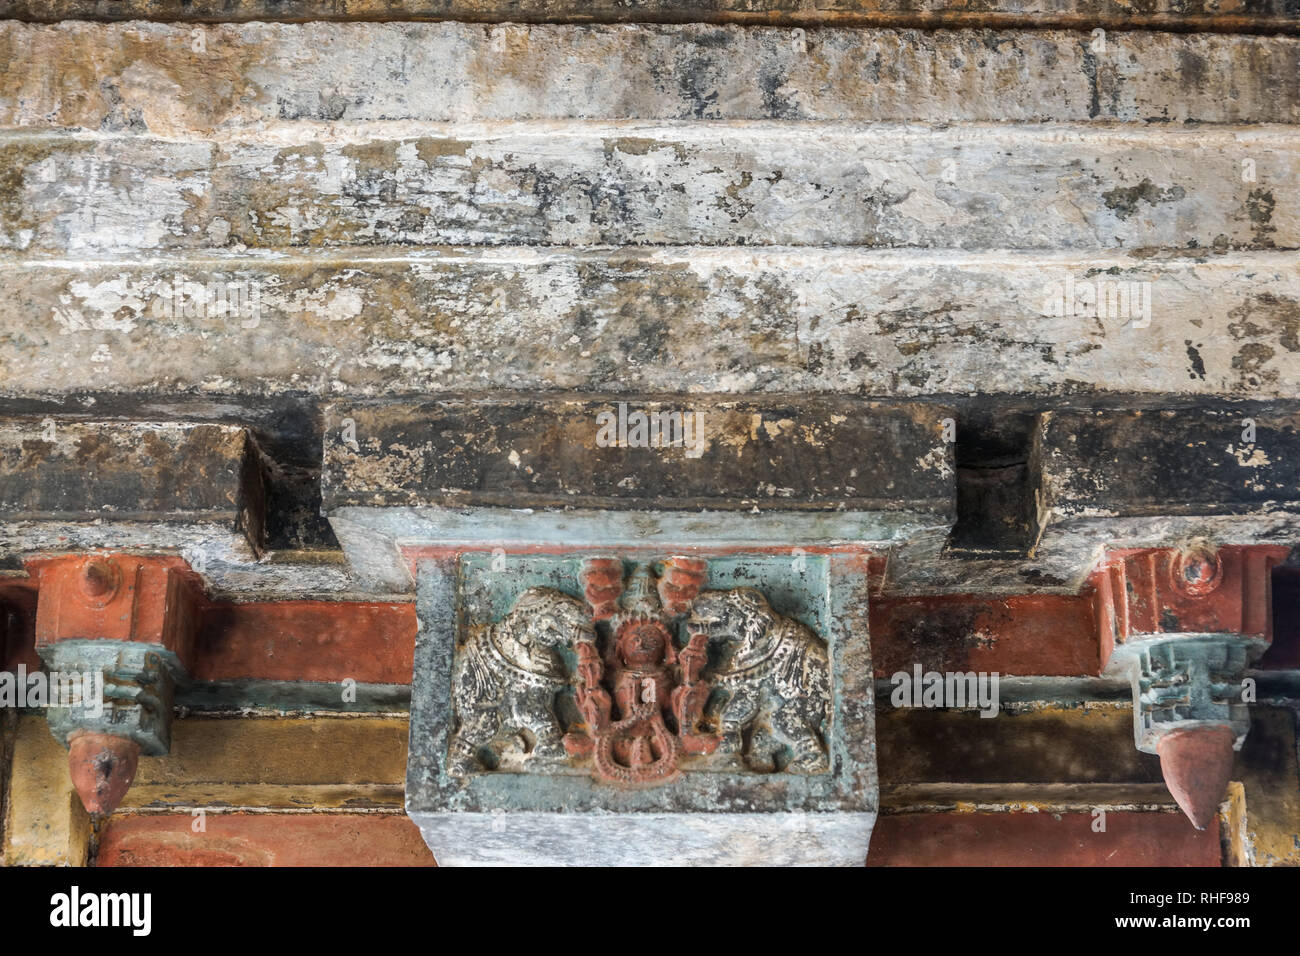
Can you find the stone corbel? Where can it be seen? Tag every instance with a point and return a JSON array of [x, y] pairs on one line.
[[1183, 625], [128, 622], [636, 645]]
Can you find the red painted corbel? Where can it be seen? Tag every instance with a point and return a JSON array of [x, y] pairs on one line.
[[1183, 625], [132, 620]]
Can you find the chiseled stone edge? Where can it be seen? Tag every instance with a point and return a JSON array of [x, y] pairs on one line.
[[229, 525], [795, 454]]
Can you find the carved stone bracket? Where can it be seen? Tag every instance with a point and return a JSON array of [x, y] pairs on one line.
[[1185, 681], [636, 707], [138, 693], [120, 630], [1183, 625], [715, 675]]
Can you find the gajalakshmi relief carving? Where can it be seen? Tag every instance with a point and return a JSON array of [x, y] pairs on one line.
[[647, 677]]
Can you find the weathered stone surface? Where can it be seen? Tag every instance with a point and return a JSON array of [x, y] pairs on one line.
[[519, 470], [286, 429], [669, 321], [1058, 744], [1267, 767], [748, 184], [1042, 839], [171, 80], [292, 697], [67, 469], [1068, 552], [1116, 479], [1024, 797], [262, 219], [70, 485], [286, 656], [1011, 635], [265, 763], [1201, 14], [811, 454], [307, 641], [1193, 461]]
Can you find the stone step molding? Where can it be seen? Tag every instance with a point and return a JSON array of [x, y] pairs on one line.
[[636, 468], [71, 485], [1102, 479], [181, 80], [583, 184], [607, 472], [394, 323]]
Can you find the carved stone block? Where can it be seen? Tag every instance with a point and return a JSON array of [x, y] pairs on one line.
[[74, 486], [594, 473], [640, 707], [138, 693]]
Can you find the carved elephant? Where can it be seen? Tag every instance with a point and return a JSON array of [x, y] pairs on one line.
[[771, 680], [505, 680]]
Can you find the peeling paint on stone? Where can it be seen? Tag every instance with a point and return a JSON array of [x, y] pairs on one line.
[[140, 77], [750, 184], [686, 320]]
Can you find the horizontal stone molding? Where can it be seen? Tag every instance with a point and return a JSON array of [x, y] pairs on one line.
[[1269, 15], [264, 762], [354, 839], [177, 80], [1168, 462], [532, 471], [910, 798], [66, 469], [767, 184], [389, 322], [1062, 744], [1009, 634], [687, 452], [1049, 839]]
